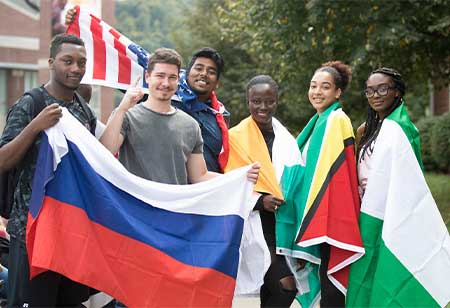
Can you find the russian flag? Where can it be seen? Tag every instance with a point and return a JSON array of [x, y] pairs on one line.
[[113, 60], [144, 243]]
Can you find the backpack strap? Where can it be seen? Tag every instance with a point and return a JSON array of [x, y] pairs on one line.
[[10, 179], [38, 101], [39, 104], [88, 112]]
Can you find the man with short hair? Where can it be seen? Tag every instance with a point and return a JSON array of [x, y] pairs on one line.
[[155, 140], [197, 98], [19, 145]]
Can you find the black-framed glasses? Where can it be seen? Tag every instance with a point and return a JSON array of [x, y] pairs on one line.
[[382, 90]]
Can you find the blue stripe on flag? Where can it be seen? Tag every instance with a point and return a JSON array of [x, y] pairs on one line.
[[197, 240]]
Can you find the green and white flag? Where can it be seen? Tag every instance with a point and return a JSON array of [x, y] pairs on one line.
[[407, 260]]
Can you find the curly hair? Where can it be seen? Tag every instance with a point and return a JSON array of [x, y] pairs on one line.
[[341, 73]]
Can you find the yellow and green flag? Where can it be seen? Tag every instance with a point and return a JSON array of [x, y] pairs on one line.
[[325, 204]]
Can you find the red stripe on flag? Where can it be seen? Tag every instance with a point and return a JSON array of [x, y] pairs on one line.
[[124, 60], [337, 215], [99, 49], [63, 239], [223, 156], [74, 27]]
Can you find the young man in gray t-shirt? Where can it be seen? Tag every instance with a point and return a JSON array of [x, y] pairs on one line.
[[158, 145], [157, 141]]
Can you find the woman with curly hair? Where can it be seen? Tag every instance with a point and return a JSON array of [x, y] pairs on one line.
[[325, 232]]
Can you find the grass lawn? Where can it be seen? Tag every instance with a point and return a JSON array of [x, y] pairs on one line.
[[440, 188]]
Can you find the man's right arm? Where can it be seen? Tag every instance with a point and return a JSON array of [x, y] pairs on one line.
[[22, 134], [111, 138]]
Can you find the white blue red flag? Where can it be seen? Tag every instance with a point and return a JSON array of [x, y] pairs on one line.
[[144, 243], [113, 60]]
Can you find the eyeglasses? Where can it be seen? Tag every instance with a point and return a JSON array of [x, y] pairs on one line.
[[381, 90]]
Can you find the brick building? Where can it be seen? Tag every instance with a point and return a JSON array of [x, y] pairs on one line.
[[25, 35]]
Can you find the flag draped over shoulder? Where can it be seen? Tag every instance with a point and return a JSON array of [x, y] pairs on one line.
[[142, 242], [191, 105], [326, 202], [407, 261], [247, 145], [113, 60]]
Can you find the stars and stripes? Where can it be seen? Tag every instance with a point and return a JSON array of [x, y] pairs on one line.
[[113, 59]]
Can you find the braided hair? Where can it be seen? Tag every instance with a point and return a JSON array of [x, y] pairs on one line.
[[373, 122]]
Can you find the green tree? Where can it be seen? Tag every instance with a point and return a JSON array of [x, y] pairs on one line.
[[289, 39], [201, 26], [147, 22]]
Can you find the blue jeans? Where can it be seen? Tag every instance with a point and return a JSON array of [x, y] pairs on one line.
[[3, 282]]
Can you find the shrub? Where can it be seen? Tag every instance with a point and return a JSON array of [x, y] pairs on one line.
[[425, 126], [440, 142]]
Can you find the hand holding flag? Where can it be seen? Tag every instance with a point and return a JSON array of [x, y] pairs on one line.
[[113, 60], [146, 244]]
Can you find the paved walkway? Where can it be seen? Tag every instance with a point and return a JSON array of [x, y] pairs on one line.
[[253, 302]]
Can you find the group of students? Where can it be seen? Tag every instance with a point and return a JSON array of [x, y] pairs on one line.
[[261, 137], [179, 135]]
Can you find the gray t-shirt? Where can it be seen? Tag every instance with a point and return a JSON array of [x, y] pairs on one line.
[[157, 146]]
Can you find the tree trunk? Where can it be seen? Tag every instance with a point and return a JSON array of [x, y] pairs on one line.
[[440, 102]]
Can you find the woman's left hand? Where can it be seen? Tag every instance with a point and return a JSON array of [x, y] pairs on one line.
[[272, 203]]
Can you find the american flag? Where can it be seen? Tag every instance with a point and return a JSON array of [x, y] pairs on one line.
[[113, 59]]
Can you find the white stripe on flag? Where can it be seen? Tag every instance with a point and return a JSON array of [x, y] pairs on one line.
[[194, 198], [86, 36], [413, 229], [112, 55], [112, 68]]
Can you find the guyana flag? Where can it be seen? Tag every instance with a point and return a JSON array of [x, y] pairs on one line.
[[326, 203], [407, 260]]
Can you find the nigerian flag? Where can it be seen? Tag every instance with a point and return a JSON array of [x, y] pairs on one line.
[[407, 260]]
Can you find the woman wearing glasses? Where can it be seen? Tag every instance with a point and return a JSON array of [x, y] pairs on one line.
[[384, 91], [407, 260]]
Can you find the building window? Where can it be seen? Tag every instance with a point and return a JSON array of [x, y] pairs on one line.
[[29, 80], [3, 96]]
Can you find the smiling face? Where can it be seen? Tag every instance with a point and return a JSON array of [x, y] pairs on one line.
[[262, 103], [68, 66], [202, 77], [380, 103], [162, 81], [322, 91]]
